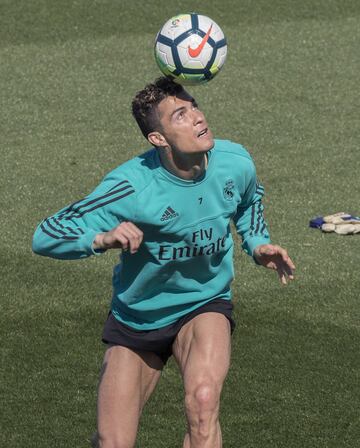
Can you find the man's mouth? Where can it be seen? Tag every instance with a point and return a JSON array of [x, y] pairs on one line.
[[203, 132]]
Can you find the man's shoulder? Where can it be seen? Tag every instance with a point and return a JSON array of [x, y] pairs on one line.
[[231, 148], [138, 171], [232, 156]]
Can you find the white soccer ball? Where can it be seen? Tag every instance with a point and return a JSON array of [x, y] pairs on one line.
[[190, 48]]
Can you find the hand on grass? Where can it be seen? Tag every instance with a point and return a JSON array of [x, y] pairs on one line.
[[125, 236], [275, 257]]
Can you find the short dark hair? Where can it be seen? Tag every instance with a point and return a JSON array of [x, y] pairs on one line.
[[144, 105]]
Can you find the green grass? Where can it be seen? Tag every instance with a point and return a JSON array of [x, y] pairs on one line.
[[288, 92]]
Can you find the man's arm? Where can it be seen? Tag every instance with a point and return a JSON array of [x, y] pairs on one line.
[[250, 224], [90, 226], [249, 218]]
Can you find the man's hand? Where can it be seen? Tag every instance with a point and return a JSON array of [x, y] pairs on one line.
[[125, 236], [275, 257]]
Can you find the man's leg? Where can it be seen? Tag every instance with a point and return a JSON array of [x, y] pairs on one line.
[[202, 350], [127, 380]]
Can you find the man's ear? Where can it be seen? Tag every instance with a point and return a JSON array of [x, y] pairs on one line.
[[157, 139]]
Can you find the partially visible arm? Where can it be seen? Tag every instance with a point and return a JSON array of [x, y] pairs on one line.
[[249, 219], [250, 224], [72, 232]]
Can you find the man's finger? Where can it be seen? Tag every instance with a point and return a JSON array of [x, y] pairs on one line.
[[282, 276], [136, 230], [134, 234], [123, 240], [132, 239], [288, 261], [288, 268]]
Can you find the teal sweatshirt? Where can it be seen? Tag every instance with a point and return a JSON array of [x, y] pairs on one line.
[[186, 257]]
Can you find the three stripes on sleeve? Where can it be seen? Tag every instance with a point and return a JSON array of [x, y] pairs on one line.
[[65, 224]]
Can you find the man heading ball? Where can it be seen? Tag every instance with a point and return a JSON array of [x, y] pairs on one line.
[[169, 210]]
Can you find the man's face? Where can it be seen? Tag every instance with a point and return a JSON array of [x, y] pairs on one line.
[[183, 125]]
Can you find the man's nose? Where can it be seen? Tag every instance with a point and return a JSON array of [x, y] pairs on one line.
[[198, 116]]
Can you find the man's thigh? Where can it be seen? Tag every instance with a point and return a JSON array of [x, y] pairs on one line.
[[202, 349], [127, 380]]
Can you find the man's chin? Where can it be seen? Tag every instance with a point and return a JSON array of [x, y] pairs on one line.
[[208, 143]]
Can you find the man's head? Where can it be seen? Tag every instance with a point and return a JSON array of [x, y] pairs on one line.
[[169, 117], [145, 103]]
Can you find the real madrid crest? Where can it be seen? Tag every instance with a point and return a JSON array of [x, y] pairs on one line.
[[228, 190]]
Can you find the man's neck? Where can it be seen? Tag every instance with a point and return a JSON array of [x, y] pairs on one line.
[[187, 167]]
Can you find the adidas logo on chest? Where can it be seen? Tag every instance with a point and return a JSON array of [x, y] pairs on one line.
[[169, 213]]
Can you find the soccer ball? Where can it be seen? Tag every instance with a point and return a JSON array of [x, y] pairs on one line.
[[190, 49]]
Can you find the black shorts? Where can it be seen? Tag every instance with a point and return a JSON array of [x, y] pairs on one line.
[[159, 341]]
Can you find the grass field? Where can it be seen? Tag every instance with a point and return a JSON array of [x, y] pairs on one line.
[[289, 92]]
